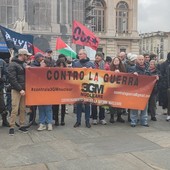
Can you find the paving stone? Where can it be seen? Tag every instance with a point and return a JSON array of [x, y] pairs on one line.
[[114, 146], [67, 149], [157, 159], [160, 138], [117, 162], [119, 143], [30, 154], [36, 167]]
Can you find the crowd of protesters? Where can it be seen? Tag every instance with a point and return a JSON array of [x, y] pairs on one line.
[[14, 75]]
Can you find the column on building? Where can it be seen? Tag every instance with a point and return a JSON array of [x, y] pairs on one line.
[[110, 18]]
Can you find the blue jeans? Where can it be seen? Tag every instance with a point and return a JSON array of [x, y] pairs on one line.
[[143, 116], [45, 114], [79, 112]]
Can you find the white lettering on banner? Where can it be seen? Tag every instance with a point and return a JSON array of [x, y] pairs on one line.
[[7, 36], [23, 44], [20, 42]]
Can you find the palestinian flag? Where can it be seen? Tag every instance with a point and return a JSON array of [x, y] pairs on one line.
[[63, 48]]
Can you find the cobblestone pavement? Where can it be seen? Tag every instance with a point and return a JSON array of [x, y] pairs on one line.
[[102, 147]]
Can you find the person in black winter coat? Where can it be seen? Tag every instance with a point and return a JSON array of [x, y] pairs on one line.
[[3, 75], [164, 85], [16, 72]]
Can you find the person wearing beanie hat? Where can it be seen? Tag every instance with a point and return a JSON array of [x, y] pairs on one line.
[[130, 62], [99, 61], [133, 57], [165, 85], [49, 55], [99, 64], [38, 57], [129, 55]]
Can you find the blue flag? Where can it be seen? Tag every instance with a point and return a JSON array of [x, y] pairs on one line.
[[16, 40]]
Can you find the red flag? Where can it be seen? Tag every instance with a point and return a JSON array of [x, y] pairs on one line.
[[37, 50], [83, 36]]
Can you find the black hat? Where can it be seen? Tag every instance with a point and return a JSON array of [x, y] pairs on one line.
[[49, 50], [100, 55], [62, 56], [38, 55]]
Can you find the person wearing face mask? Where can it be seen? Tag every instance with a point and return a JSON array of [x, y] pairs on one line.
[[165, 85], [16, 72]]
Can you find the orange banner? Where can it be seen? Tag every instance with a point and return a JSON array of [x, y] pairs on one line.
[[46, 86]]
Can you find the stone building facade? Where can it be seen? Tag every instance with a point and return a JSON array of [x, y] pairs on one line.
[[113, 21], [155, 42]]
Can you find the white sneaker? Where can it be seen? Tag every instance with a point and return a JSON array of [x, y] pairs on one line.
[[50, 127], [103, 122], [41, 127], [94, 122], [66, 110], [168, 118], [107, 111]]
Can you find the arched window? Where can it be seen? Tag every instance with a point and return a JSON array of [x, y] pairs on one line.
[[122, 11], [8, 12], [98, 14], [38, 14]]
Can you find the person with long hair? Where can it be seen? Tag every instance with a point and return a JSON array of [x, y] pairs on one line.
[[59, 63], [116, 66]]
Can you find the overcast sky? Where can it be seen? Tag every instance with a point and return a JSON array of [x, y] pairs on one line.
[[154, 15]]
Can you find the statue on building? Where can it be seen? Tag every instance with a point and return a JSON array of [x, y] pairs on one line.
[[19, 25]]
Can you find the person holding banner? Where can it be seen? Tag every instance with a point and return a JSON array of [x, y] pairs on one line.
[[83, 62], [45, 111], [38, 57], [59, 63], [116, 66], [99, 64], [48, 55], [140, 68], [16, 72]]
